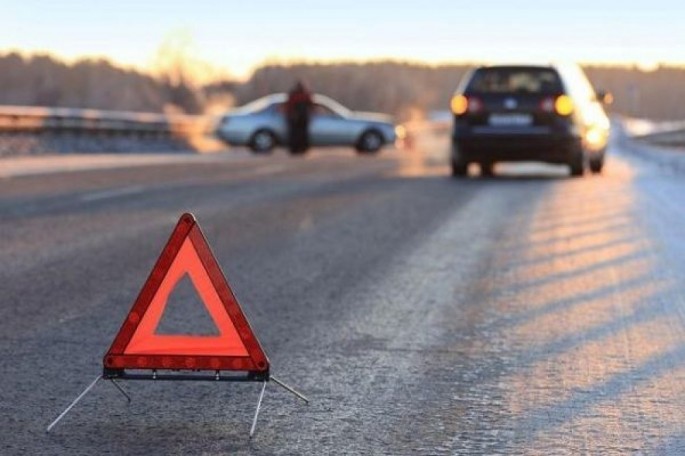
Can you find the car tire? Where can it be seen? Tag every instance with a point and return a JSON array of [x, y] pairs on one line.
[[487, 169], [596, 165], [262, 142], [577, 165], [459, 169], [370, 142]]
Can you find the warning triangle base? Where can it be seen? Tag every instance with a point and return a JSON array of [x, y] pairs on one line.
[[179, 375]]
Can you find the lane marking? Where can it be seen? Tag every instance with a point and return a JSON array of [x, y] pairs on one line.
[[269, 169], [134, 189], [55, 164], [112, 193]]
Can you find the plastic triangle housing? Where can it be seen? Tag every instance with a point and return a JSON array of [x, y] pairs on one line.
[[138, 346]]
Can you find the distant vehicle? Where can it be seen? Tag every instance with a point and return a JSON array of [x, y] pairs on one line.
[[261, 126], [528, 113]]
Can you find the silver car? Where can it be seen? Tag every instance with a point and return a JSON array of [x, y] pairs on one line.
[[261, 126]]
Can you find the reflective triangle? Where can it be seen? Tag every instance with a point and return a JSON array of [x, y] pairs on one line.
[[137, 346], [185, 313], [145, 341]]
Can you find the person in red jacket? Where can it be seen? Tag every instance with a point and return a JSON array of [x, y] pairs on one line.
[[298, 110]]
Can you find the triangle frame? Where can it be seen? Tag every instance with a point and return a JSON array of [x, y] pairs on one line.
[[131, 350]]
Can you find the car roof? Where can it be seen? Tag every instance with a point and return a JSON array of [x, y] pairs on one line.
[[273, 98], [517, 65], [560, 66], [282, 97]]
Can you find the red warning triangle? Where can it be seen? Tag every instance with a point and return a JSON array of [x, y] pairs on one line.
[[138, 346]]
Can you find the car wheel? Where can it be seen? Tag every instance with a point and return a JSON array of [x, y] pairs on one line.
[[487, 169], [577, 166], [596, 165], [370, 142], [459, 169], [262, 142]]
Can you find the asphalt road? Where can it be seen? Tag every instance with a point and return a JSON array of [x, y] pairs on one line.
[[528, 313]]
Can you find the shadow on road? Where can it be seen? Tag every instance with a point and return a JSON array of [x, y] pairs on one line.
[[582, 319]]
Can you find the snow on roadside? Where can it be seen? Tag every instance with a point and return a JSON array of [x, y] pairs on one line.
[[630, 133], [32, 144]]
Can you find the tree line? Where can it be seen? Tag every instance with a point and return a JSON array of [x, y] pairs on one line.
[[41, 80], [405, 89]]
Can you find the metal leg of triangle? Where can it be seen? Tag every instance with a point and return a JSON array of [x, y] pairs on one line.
[[290, 389], [82, 395], [283, 385], [128, 398], [256, 413], [121, 390], [74, 402]]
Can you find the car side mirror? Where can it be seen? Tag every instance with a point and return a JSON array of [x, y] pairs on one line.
[[606, 98]]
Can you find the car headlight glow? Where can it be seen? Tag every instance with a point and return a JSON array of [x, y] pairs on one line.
[[400, 132], [594, 137]]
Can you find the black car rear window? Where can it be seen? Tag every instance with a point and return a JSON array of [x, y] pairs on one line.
[[515, 80]]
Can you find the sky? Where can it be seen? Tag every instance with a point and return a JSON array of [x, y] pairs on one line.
[[237, 36]]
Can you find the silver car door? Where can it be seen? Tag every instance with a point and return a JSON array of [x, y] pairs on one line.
[[274, 120], [328, 128]]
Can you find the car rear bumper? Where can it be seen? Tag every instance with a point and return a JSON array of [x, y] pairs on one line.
[[495, 145]]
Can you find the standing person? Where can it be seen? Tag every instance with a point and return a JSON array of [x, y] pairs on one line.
[[297, 110]]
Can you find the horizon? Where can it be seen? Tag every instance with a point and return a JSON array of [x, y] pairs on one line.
[[655, 66], [235, 41]]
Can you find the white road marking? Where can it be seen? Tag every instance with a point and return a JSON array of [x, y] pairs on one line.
[[52, 164], [112, 193], [269, 169], [133, 189]]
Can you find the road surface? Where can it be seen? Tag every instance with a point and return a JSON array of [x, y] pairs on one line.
[[528, 313]]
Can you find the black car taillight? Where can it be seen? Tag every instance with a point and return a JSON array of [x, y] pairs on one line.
[[561, 105], [547, 104], [461, 104]]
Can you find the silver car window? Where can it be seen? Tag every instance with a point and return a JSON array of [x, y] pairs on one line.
[[334, 106], [321, 110]]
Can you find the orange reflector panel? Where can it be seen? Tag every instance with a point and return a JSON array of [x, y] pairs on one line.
[[563, 105], [137, 345], [459, 104]]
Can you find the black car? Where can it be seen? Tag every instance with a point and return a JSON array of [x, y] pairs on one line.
[[528, 113]]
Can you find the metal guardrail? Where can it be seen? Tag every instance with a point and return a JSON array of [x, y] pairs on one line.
[[43, 119], [662, 134], [665, 138]]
